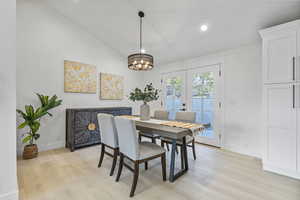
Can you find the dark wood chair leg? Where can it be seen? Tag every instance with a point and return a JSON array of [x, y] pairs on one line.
[[172, 162], [114, 162], [163, 166], [120, 167], [153, 140], [184, 146], [101, 155], [140, 138], [194, 150], [162, 144], [135, 178], [182, 157], [168, 148], [146, 165]]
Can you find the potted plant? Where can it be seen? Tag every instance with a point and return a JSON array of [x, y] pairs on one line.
[[147, 95], [32, 120]]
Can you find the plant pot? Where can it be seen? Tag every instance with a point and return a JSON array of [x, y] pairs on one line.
[[145, 112], [30, 151]]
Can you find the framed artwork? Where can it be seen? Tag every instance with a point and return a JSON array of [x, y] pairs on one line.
[[79, 77], [111, 86]]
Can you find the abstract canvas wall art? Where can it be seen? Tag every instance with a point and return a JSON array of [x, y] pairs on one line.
[[111, 86], [79, 77]]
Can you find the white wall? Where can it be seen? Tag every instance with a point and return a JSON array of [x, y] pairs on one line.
[[242, 95], [44, 39], [8, 179]]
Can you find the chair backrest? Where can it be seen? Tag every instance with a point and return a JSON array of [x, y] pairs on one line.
[[108, 130], [127, 134], [186, 117], [161, 114]]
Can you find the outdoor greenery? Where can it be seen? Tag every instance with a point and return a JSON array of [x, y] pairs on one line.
[[147, 95], [32, 117], [203, 85], [175, 85]]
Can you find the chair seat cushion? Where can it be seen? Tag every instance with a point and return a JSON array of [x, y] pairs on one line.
[[189, 139], [149, 135], [148, 149]]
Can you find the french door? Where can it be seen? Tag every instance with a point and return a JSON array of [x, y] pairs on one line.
[[196, 90], [174, 92]]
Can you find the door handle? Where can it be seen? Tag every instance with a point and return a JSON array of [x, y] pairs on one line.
[[294, 96], [294, 67], [183, 107]]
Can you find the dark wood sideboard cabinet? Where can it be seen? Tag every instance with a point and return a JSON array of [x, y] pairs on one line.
[[82, 127]]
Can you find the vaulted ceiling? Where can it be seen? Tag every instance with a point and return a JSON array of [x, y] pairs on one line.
[[172, 27]]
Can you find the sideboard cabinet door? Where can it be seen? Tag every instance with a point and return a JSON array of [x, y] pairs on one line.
[[82, 135]]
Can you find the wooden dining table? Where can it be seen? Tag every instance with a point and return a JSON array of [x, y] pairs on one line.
[[160, 128]]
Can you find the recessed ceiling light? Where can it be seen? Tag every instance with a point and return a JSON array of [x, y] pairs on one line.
[[204, 27]]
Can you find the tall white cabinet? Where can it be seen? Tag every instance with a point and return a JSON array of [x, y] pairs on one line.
[[281, 98]]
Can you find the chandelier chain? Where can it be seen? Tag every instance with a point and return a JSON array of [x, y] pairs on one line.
[[141, 41]]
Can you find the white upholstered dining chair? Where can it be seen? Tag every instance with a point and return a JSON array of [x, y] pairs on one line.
[[134, 151], [189, 117], [158, 114], [109, 138]]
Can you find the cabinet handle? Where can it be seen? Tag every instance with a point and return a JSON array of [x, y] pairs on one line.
[[294, 67], [294, 96]]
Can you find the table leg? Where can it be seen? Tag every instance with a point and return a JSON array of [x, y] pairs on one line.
[[172, 167]]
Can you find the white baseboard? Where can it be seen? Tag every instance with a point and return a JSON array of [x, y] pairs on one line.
[[280, 171], [240, 151], [45, 147], [10, 196]]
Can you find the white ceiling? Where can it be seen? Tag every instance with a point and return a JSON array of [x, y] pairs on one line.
[[171, 27]]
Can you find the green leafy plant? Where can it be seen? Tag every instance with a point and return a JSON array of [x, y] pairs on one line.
[[147, 95], [32, 117], [203, 85]]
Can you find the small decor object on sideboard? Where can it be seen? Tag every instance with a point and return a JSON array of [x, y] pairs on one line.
[[147, 95], [111, 87], [79, 77], [32, 120], [82, 127]]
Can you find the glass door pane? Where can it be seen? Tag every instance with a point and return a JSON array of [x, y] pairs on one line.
[[203, 98], [174, 92]]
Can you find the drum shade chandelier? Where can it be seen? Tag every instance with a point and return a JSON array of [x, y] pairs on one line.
[[140, 61]]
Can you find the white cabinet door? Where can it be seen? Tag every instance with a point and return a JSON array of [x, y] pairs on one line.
[[298, 58], [281, 139], [297, 104], [279, 57]]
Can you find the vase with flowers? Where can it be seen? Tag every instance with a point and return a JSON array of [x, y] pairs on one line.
[[148, 94]]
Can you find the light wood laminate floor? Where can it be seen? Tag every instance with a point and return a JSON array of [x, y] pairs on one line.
[[215, 175]]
